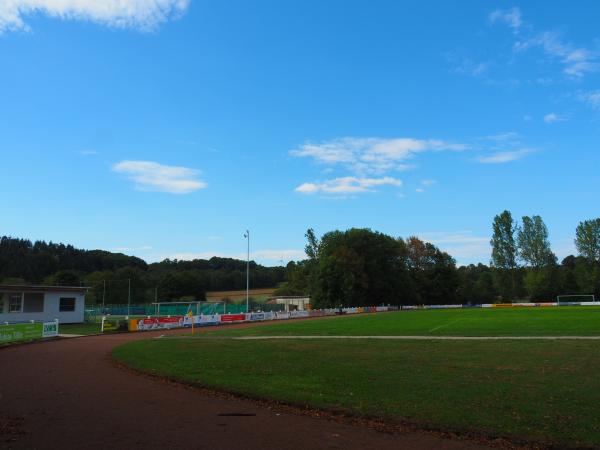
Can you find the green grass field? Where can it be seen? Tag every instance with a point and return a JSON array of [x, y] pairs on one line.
[[546, 391], [566, 321]]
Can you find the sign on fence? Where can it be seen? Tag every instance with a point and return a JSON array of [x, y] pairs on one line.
[[50, 329], [233, 317], [27, 331], [203, 319], [156, 323]]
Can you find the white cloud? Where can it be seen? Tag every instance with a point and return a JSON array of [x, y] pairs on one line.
[[144, 15], [505, 156], [347, 185], [424, 185], [152, 176], [553, 118], [592, 98], [501, 137], [465, 65], [143, 248], [577, 61], [372, 155], [511, 17]]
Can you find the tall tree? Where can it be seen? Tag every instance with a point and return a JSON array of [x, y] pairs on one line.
[[534, 246], [504, 248], [587, 239], [504, 255], [312, 246]]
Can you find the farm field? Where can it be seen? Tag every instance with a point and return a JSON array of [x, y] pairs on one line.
[[258, 295], [543, 391], [564, 321]]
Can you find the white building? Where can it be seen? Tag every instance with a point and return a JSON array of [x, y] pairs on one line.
[[292, 303], [42, 303]]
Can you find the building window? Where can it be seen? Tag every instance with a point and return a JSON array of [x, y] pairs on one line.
[[67, 305], [33, 302], [15, 303]]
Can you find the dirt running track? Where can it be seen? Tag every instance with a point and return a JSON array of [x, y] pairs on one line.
[[68, 394]]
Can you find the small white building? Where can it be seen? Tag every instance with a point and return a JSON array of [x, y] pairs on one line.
[[42, 303], [292, 303]]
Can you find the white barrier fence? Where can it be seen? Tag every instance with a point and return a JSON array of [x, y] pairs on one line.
[[220, 319], [502, 305]]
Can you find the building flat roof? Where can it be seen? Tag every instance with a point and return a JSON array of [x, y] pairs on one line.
[[37, 288]]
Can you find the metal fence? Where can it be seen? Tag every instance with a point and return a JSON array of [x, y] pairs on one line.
[[94, 313]]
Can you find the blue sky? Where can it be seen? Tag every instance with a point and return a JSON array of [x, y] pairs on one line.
[[165, 128]]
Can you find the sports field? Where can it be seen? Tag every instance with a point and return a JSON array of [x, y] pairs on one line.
[[565, 321], [540, 390]]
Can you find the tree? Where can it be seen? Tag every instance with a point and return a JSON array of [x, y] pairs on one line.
[[504, 249], [534, 246], [312, 247], [504, 255], [587, 239], [359, 267]]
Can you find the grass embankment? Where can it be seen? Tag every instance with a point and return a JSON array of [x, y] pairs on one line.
[[80, 328], [538, 390], [565, 321]]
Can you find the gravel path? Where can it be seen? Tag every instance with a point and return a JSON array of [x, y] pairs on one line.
[[69, 394]]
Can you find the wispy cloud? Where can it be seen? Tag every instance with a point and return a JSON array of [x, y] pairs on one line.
[[462, 245], [143, 248], [144, 15], [553, 118], [273, 255], [465, 65], [510, 17], [577, 61], [592, 98], [424, 185], [372, 155], [505, 156], [501, 137], [152, 176], [347, 185]]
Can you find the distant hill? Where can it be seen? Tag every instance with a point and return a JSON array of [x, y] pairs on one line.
[[24, 261]]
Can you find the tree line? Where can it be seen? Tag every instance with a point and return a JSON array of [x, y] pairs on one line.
[[110, 275], [361, 267], [356, 267]]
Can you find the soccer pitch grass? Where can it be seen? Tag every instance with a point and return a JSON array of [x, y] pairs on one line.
[[564, 321], [546, 391]]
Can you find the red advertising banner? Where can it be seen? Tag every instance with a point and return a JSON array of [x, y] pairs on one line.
[[157, 323], [233, 317]]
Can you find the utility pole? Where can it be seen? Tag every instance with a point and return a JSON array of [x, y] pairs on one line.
[[247, 236]]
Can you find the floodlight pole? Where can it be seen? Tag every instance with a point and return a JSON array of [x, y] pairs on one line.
[[247, 236], [103, 294], [128, 297]]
